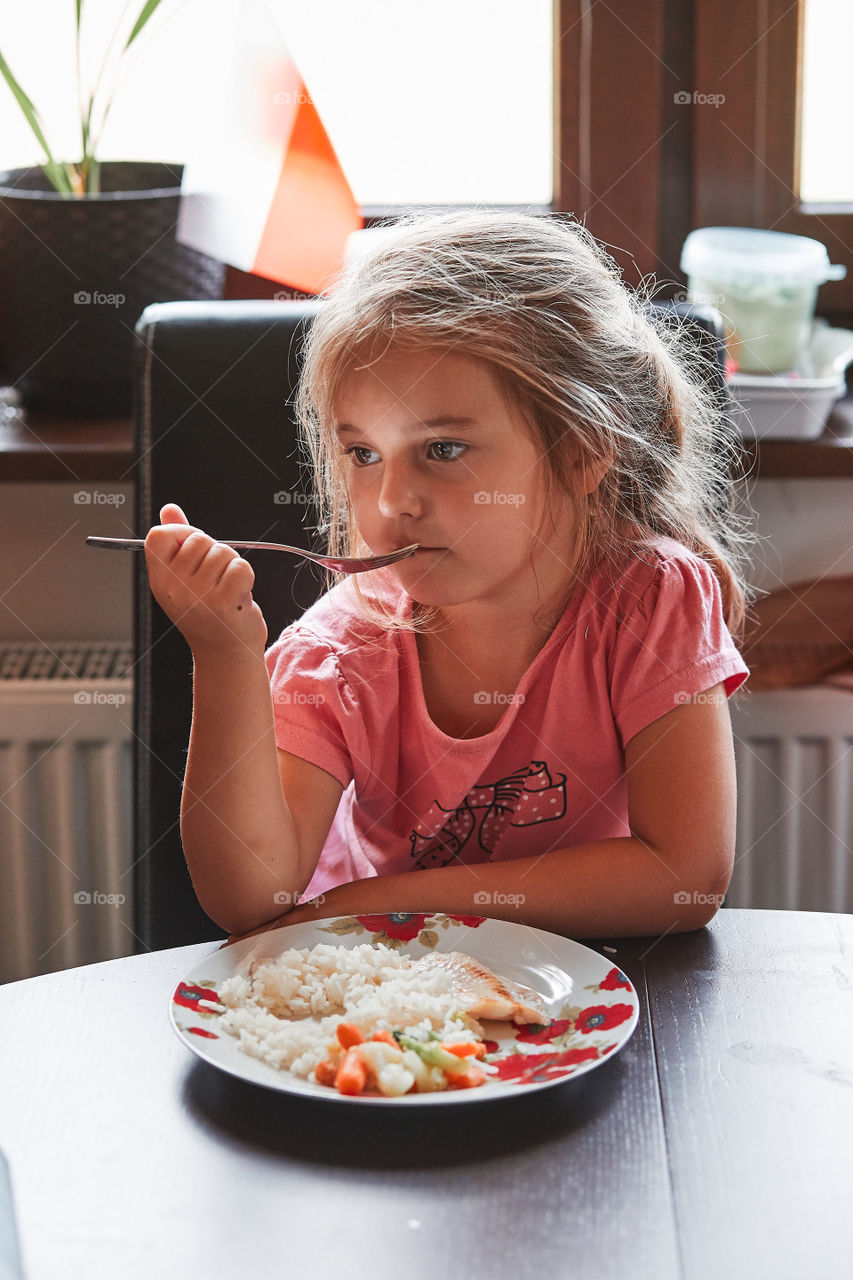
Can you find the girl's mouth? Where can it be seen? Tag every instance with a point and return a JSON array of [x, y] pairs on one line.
[[421, 547]]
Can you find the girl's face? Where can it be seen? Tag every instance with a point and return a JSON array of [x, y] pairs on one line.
[[434, 454]]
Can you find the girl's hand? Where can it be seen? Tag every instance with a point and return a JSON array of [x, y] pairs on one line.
[[298, 915], [204, 587]]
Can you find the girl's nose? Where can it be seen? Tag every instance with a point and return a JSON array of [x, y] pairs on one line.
[[401, 491]]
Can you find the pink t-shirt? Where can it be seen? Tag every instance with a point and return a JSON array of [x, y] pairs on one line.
[[348, 697]]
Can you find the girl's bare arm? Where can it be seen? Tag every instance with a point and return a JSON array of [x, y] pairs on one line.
[[252, 817], [669, 875]]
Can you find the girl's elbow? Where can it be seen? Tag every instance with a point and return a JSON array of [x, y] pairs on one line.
[[696, 907]]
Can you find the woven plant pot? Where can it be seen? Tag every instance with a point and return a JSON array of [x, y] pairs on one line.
[[75, 275]]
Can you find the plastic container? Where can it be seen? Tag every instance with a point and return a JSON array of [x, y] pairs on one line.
[[764, 284], [796, 405]]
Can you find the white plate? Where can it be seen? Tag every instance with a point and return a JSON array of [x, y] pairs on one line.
[[587, 1026]]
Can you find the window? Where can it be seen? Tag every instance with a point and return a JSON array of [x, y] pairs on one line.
[[426, 104], [436, 103], [826, 154], [678, 114], [668, 115], [747, 159]]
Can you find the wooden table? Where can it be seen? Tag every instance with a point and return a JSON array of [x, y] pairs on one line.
[[717, 1144]]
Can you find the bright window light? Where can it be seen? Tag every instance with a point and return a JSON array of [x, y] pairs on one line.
[[445, 103], [826, 157]]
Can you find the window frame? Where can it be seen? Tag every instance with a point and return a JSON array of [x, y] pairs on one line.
[[674, 166], [752, 174]]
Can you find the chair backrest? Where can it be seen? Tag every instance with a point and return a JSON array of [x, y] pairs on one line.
[[215, 433]]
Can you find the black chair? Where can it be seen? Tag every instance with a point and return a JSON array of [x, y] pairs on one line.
[[215, 433]]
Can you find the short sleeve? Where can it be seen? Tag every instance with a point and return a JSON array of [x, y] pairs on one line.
[[314, 708], [671, 642]]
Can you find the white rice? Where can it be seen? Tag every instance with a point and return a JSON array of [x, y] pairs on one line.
[[286, 1011]]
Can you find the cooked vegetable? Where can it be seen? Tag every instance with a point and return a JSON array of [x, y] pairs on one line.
[[434, 1055], [395, 1080], [469, 1079], [352, 1073], [427, 1079], [349, 1034], [385, 1036], [396, 1063], [325, 1072], [465, 1049]]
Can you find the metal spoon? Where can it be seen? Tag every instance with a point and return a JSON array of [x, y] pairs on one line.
[[338, 564]]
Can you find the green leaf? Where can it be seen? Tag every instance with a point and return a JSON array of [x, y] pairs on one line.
[[78, 11], [86, 124], [147, 10], [54, 171]]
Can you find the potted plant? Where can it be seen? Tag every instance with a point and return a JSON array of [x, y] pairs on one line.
[[85, 246]]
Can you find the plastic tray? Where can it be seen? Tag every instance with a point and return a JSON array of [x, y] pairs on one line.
[[795, 405]]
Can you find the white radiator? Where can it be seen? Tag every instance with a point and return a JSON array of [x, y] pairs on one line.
[[65, 806], [794, 752]]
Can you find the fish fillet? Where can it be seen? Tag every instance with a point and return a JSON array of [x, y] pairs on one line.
[[483, 994]]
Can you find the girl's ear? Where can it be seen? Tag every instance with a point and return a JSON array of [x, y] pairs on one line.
[[591, 472]]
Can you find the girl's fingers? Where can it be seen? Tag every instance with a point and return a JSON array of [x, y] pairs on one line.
[[172, 514], [208, 562], [165, 540], [206, 566], [196, 551], [241, 575]]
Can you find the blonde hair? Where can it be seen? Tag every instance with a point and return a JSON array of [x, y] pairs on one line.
[[597, 377]]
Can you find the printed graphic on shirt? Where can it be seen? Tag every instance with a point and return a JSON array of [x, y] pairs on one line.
[[527, 796]]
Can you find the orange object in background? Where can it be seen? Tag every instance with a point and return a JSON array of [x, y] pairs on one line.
[[312, 212], [265, 192]]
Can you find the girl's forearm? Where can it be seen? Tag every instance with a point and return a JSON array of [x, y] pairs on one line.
[[238, 835], [610, 888]]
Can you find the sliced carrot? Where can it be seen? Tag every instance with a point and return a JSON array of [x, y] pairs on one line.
[[469, 1079], [385, 1037], [325, 1072], [352, 1073], [349, 1034], [466, 1049]]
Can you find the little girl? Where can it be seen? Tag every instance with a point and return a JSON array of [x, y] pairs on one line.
[[527, 718]]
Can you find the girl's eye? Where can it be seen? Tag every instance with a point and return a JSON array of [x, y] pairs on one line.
[[441, 451], [445, 450], [357, 452]]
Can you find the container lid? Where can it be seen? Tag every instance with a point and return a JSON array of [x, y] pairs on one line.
[[740, 253]]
